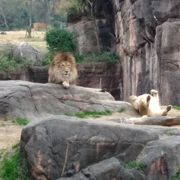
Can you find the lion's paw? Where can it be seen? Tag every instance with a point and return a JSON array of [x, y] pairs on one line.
[[65, 84]]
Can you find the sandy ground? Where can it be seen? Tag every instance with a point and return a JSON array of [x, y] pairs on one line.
[[9, 134]]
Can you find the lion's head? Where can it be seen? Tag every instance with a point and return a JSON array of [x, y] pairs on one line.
[[63, 68]]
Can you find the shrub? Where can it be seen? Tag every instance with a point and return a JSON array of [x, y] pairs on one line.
[[9, 64], [104, 56], [60, 40]]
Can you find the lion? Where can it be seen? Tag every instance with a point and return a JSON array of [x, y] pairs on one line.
[[155, 106], [149, 104], [140, 103], [63, 69]]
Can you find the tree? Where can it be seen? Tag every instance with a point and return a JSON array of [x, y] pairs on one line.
[[28, 30], [3, 15]]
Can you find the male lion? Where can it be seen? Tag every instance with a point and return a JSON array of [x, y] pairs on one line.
[[148, 104], [63, 69]]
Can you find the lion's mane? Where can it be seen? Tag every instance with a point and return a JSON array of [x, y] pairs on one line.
[[63, 68]]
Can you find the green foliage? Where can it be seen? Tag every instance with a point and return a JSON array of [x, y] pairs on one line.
[[176, 176], [48, 58], [22, 121], [10, 64], [121, 110], [12, 166], [135, 165], [177, 107], [93, 114], [60, 40], [103, 56]]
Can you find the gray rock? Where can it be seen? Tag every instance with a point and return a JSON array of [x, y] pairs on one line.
[[149, 47], [35, 100], [161, 157], [65, 145], [28, 53], [106, 170]]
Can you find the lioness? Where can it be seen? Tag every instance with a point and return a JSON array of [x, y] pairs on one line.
[[148, 104], [63, 69]]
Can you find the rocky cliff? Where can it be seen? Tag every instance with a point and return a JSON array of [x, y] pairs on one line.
[[146, 37], [149, 46]]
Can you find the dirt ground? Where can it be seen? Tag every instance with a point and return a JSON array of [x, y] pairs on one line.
[[9, 134]]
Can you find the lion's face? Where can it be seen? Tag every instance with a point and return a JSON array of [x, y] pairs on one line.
[[62, 68], [65, 68]]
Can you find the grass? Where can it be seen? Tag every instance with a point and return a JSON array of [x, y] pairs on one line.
[[176, 176], [93, 114], [135, 165], [121, 110], [22, 121], [177, 107], [12, 166]]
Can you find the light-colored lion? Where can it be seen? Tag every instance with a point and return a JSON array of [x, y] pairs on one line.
[[149, 104], [63, 69]]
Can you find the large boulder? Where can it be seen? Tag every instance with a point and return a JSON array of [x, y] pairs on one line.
[[35, 100], [28, 53], [71, 148]]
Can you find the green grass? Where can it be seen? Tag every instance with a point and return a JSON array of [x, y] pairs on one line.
[[22, 121], [93, 114], [177, 107], [176, 176], [121, 110], [12, 166], [135, 165]]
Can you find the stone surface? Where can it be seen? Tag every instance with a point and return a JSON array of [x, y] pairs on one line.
[[99, 149], [106, 170], [28, 53], [94, 33], [149, 48], [101, 75], [35, 100], [95, 75]]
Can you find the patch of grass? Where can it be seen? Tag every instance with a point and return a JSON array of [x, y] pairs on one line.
[[176, 107], [22, 121], [93, 114], [135, 165], [176, 176], [12, 166], [121, 110]]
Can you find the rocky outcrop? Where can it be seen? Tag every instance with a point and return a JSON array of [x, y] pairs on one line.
[[145, 35], [95, 75], [72, 149], [105, 76], [149, 47], [35, 100], [27, 53], [94, 32]]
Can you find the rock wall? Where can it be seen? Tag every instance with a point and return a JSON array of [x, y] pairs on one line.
[[107, 77], [149, 46]]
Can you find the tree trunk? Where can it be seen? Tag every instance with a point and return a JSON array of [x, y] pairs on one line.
[[4, 17], [28, 30]]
